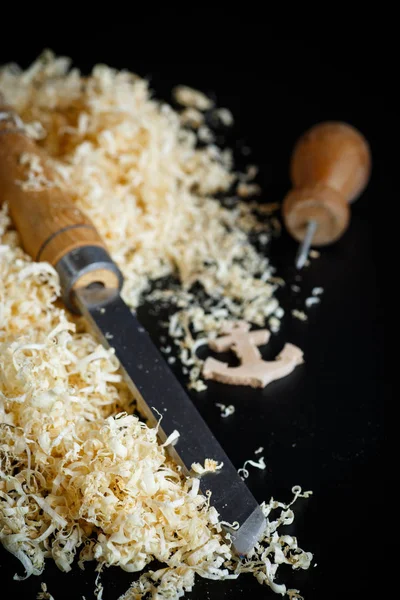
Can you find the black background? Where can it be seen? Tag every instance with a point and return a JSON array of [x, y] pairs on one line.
[[321, 427]]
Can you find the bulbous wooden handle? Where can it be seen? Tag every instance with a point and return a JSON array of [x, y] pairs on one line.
[[330, 167], [51, 227]]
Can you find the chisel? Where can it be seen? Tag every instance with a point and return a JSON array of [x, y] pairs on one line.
[[330, 167], [53, 229]]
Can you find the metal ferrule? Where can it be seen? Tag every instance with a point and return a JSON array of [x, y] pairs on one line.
[[80, 261]]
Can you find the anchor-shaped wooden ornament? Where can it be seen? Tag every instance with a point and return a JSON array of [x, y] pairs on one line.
[[253, 370]]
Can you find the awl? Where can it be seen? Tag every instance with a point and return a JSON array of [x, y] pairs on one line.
[[330, 168], [52, 229]]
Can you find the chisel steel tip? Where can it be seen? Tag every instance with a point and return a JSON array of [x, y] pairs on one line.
[[248, 534]]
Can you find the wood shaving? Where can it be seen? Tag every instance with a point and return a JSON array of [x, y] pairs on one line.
[[317, 291], [187, 96], [251, 173], [191, 117], [226, 411], [244, 190], [205, 135], [210, 466], [311, 301], [260, 464], [314, 254], [274, 324], [299, 314], [223, 115], [44, 594]]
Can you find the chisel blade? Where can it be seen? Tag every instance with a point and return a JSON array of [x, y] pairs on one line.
[[158, 392]]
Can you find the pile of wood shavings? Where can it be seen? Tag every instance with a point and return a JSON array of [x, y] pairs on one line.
[[79, 475], [148, 187]]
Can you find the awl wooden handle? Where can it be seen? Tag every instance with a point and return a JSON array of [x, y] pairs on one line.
[[330, 167], [51, 227]]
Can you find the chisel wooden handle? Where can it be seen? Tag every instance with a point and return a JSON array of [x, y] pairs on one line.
[[330, 167], [50, 225]]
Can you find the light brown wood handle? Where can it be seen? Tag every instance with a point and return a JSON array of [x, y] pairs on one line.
[[330, 167], [51, 227]]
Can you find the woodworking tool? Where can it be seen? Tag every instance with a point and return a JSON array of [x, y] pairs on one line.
[[330, 168]]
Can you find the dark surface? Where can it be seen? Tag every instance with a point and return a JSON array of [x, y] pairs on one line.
[[321, 427]]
